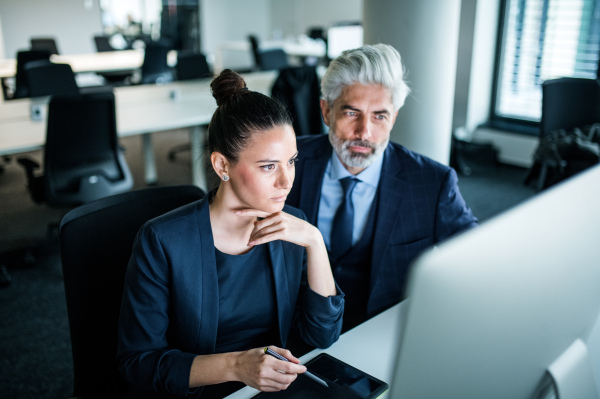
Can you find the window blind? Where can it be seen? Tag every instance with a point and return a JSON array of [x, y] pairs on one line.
[[544, 39]]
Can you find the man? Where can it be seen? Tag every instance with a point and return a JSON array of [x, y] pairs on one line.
[[402, 202]]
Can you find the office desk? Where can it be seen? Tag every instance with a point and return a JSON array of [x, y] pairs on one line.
[[304, 48], [370, 347], [107, 61], [140, 110]]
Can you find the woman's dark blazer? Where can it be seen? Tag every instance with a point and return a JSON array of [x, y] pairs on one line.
[[170, 307]]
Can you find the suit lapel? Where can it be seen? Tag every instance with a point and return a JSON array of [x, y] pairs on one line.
[[389, 202], [282, 292], [207, 334], [313, 171]]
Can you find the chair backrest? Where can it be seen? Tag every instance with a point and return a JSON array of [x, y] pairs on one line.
[[46, 78], [103, 44], [255, 50], [298, 88], [191, 65], [82, 160], [568, 103], [155, 68], [44, 43], [23, 57], [95, 244], [273, 59]]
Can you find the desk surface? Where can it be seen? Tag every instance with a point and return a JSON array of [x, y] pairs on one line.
[[108, 61], [370, 347], [140, 110]]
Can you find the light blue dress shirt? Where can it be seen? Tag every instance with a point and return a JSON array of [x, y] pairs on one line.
[[362, 196]]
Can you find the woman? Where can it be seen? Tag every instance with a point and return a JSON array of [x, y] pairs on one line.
[[210, 284]]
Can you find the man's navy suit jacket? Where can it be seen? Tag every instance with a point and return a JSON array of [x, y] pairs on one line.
[[418, 205], [170, 307]]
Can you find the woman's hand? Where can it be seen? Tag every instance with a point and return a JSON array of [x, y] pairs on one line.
[[283, 226], [266, 373]]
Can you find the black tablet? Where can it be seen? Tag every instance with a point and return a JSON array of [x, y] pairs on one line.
[[344, 382]]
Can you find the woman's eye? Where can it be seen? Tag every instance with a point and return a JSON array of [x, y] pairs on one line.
[[293, 161], [269, 167]]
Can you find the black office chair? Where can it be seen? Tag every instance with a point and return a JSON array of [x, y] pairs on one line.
[[273, 59], [95, 244], [103, 44], [46, 78], [114, 78], [190, 65], [155, 68], [23, 57], [44, 43], [82, 159], [298, 88], [266, 60], [567, 103]]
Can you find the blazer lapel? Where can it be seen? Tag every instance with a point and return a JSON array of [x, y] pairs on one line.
[[282, 293], [205, 253], [391, 187], [312, 180]]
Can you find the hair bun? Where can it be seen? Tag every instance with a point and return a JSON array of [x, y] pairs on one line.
[[226, 86]]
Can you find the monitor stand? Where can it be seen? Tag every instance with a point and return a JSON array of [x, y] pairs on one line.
[[569, 376]]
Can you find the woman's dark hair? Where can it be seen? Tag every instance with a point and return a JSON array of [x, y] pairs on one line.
[[240, 113]]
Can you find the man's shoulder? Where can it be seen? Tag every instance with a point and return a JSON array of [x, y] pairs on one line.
[[313, 142], [411, 159]]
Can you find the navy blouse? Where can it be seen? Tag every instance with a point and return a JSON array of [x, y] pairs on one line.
[[247, 316]]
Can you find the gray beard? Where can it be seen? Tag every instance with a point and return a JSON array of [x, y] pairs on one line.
[[356, 160]]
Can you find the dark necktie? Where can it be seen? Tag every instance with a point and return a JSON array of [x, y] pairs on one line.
[[343, 222]]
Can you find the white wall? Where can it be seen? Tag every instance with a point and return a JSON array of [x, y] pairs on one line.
[[70, 22], [295, 17], [234, 20]]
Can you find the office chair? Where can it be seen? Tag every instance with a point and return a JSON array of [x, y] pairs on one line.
[[103, 44], [112, 78], [273, 59], [44, 43], [23, 57], [266, 60], [155, 68], [82, 160], [190, 65], [255, 50], [298, 88], [95, 244], [46, 78], [567, 103]]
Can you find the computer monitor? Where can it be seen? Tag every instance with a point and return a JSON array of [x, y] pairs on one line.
[[506, 309], [343, 37]]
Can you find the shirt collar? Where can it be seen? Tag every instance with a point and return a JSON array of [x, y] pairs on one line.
[[370, 175]]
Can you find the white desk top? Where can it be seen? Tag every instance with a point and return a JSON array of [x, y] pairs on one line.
[[109, 61], [370, 347], [140, 109], [300, 48]]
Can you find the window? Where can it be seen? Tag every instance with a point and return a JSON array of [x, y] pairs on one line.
[[543, 39]]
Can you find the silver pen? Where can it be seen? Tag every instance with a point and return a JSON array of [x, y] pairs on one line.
[[308, 374]]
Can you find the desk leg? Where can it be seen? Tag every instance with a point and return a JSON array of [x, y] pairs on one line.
[[149, 162], [198, 157]]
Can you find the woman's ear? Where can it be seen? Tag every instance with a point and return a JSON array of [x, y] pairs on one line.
[[220, 164]]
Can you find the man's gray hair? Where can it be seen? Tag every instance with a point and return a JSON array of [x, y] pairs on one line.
[[369, 64]]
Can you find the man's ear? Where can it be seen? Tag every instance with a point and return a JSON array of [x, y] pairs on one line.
[[220, 164], [325, 110]]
